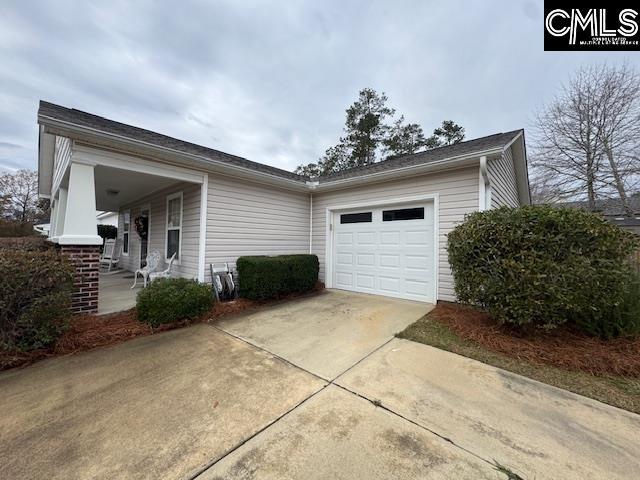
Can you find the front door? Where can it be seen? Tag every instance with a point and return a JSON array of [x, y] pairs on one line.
[[144, 239]]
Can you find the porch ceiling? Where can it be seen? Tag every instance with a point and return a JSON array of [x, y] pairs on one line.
[[116, 187]]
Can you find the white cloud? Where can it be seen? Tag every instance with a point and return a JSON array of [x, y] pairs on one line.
[[270, 80]]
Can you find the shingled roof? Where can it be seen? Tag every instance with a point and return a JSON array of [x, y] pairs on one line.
[[79, 118], [84, 119], [498, 140], [609, 207]]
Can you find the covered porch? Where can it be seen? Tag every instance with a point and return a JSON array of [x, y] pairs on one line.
[[87, 178], [115, 293]]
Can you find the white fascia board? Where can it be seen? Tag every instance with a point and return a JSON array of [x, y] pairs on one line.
[[520, 164], [180, 158], [207, 164], [46, 150], [444, 164], [97, 156]]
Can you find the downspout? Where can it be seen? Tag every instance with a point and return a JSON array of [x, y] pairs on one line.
[[310, 223], [485, 187], [202, 238], [312, 184]]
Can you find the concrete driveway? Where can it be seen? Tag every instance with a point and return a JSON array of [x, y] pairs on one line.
[[313, 388]]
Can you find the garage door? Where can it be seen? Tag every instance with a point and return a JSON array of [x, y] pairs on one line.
[[386, 251]]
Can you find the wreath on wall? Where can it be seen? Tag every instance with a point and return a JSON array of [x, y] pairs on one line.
[[142, 226]]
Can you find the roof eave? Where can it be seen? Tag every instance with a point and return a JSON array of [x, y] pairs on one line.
[[521, 168], [469, 159], [72, 130], [46, 153]]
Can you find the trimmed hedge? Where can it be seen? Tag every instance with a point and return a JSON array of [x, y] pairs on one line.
[[35, 303], [107, 231], [168, 300], [11, 228], [263, 277], [25, 243], [543, 266]]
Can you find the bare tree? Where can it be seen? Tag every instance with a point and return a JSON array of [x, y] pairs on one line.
[[543, 191], [586, 140], [566, 144], [20, 193], [617, 92]]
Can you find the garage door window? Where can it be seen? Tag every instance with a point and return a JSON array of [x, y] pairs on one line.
[[364, 217], [403, 214]]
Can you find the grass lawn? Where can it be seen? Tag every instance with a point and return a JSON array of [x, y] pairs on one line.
[[622, 392]]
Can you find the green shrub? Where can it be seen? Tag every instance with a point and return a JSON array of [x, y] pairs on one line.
[[12, 228], [263, 277], [38, 243], [44, 321], [36, 291], [169, 300], [542, 266], [625, 318], [107, 231]]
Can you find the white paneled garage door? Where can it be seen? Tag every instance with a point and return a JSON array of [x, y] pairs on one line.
[[386, 251]]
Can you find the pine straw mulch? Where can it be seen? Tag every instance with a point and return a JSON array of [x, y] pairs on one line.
[[87, 332], [559, 348]]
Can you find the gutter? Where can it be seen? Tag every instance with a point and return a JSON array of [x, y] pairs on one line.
[[206, 162], [411, 169]]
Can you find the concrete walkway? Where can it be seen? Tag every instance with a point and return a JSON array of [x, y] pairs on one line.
[[314, 388]]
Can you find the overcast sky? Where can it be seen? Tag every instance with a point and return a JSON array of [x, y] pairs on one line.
[[270, 80]]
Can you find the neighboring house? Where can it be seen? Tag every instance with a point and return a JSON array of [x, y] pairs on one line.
[[107, 218], [612, 210], [102, 218], [42, 228], [377, 229]]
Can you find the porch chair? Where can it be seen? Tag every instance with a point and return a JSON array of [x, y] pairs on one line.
[[153, 259], [166, 273], [110, 254]]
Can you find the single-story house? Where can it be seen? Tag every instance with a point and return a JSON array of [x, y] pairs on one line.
[[613, 211], [379, 229]]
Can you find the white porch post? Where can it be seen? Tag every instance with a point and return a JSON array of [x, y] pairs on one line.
[[58, 220], [53, 219], [77, 213]]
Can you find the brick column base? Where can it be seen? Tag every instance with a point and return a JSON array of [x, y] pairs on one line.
[[86, 259]]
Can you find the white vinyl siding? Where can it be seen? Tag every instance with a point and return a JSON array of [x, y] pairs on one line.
[[502, 177], [188, 265], [61, 159], [458, 192], [246, 218]]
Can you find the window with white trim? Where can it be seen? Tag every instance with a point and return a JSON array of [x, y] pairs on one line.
[[174, 225], [125, 232]]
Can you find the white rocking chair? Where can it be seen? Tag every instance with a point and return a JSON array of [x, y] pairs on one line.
[[166, 273], [110, 254], [153, 259]]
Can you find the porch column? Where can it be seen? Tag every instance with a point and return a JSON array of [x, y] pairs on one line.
[[53, 219], [78, 237], [80, 226], [58, 214]]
